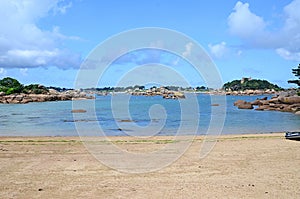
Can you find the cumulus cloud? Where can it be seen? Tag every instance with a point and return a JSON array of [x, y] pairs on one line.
[[243, 22], [218, 50], [23, 44], [255, 32]]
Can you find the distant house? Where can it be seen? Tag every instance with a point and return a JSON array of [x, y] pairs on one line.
[[245, 79]]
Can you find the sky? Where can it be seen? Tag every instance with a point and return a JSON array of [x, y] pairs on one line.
[[48, 41]]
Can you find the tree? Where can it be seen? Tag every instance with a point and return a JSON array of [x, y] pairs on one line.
[[253, 84], [201, 88], [9, 86], [35, 89], [296, 72]]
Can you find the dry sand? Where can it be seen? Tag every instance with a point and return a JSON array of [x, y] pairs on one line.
[[239, 166]]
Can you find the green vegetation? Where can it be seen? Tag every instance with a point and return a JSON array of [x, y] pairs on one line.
[[35, 89], [253, 84], [296, 72], [9, 86]]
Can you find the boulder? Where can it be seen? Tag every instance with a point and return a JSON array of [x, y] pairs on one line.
[[258, 92], [274, 100], [256, 102], [249, 92], [246, 105], [26, 100], [53, 92], [286, 109], [78, 111], [294, 107], [179, 95], [290, 100], [19, 97], [236, 103], [241, 104], [261, 108], [9, 99]]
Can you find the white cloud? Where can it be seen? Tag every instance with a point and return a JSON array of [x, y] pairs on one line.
[[24, 71], [2, 72], [218, 50], [23, 44], [286, 54], [255, 32], [243, 22]]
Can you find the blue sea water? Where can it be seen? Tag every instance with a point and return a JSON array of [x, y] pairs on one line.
[[122, 116]]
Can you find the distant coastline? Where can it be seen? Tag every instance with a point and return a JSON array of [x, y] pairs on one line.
[[13, 92]]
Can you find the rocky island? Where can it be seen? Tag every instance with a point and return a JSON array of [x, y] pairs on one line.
[[161, 91], [12, 92]]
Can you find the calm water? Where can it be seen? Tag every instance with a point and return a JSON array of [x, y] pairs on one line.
[[163, 116]]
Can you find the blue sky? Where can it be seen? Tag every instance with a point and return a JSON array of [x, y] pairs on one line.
[[46, 41]]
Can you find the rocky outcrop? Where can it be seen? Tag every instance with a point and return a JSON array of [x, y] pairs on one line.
[[51, 96], [243, 92], [165, 93], [252, 92], [283, 103], [241, 104]]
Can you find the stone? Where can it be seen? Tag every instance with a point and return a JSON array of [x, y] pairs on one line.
[[19, 97], [78, 111], [261, 108], [256, 102], [236, 103], [179, 95], [274, 100], [246, 105], [290, 100]]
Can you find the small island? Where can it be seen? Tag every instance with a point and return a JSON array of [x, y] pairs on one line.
[[13, 92]]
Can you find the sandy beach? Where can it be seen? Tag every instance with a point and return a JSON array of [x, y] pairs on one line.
[[239, 166]]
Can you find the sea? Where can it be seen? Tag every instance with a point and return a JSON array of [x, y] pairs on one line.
[[127, 115]]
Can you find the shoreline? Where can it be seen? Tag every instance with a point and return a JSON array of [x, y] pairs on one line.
[[222, 136]]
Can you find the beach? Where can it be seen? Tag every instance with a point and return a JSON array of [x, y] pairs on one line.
[[239, 166]]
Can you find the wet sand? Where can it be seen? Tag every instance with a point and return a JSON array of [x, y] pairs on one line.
[[239, 166]]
